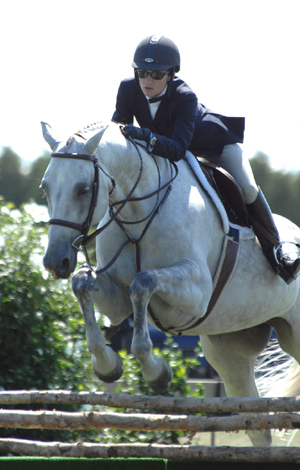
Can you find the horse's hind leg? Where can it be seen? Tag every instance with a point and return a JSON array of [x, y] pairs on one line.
[[106, 363], [287, 379], [233, 356]]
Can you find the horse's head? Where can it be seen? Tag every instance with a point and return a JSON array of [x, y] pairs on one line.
[[71, 189]]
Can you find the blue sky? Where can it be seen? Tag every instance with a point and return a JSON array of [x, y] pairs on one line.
[[62, 62]]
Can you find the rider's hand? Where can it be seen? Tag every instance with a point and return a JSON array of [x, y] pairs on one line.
[[136, 133]]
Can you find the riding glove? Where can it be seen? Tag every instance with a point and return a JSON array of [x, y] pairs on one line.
[[137, 133]]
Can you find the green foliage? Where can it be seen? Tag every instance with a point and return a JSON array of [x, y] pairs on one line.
[[282, 189], [41, 341], [12, 182], [41, 327], [34, 178], [18, 186]]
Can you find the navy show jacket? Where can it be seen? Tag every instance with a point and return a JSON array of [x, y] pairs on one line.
[[181, 123]]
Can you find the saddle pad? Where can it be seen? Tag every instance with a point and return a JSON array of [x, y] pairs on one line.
[[228, 220]]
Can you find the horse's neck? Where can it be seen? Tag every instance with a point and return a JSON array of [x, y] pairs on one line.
[[130, 167]]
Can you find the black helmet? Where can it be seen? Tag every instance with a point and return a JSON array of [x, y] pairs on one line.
[[156, 53]]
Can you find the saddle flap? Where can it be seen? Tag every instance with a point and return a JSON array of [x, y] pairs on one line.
[[228, 191]]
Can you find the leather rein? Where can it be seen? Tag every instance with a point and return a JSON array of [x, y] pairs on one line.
[[84, 239]]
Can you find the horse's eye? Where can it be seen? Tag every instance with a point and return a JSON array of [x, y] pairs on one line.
[[83, 191], [42, 187]]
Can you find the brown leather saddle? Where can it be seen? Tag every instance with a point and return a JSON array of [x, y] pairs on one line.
[[228, 191]]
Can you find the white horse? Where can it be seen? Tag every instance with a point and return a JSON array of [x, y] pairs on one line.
[[158, 248]]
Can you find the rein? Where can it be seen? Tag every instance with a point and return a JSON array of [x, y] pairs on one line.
[[83, 239]]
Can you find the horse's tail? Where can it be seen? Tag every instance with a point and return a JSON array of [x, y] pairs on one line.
[[277, 373]]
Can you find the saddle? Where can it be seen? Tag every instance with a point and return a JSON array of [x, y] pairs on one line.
[[228, 191]]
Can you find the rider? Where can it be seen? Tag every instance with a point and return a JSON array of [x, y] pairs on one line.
[[172, 121]]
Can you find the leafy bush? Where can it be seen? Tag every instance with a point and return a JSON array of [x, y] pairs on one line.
[[41, 327]]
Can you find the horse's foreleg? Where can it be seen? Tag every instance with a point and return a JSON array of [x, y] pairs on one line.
[[178, 287], [233, 356], [155, 369], [107, 363]]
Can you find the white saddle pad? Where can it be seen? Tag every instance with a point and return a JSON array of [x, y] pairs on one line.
[[246, 233]]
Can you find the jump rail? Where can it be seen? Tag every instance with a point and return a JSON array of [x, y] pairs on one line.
[[172, 452], [153, 403], [255, 417], [144, 422]]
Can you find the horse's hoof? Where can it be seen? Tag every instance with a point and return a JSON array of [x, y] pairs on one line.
[[114, 375], [164, 380]]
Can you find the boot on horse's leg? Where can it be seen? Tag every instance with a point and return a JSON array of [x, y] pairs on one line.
[[285, 263]]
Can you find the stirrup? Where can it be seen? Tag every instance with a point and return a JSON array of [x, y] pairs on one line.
[[281, 270]]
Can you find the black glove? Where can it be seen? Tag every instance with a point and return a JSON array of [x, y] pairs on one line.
[[136, 133]]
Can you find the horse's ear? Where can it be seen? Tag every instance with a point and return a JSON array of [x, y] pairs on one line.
[[93, 142], [46, 128]]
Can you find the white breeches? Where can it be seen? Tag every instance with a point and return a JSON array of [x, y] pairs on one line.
[[233, 160]]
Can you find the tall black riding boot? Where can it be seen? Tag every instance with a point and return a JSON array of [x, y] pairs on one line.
[[285, 261]]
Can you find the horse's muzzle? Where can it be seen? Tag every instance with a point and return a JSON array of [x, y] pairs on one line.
[[61, 267]]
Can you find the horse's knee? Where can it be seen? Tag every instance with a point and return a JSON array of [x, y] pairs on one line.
[[83, 283], [144, 284]]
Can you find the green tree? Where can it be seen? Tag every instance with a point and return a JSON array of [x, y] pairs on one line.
[[34, 176], [282, 189], [13, 183], [20, 186]]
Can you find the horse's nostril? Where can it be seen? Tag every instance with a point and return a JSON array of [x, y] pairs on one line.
[[65, 265]]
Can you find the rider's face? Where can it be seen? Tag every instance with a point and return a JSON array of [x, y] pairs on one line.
[[153, 88]]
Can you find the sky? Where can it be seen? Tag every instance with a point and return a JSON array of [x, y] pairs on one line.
[[62, 62]]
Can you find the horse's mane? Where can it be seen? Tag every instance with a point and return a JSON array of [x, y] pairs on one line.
[[96, 126], [115, 137]]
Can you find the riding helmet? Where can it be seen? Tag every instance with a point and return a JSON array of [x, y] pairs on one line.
[[157, 53]]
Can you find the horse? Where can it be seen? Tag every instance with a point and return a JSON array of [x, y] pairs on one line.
[[159, 240]]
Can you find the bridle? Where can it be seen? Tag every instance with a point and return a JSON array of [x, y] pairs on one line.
[[84, 239], [85, 227]]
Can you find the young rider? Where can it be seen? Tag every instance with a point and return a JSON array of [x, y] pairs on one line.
[[172, 121]]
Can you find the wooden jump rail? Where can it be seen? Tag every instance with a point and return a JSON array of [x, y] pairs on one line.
[[254, 417], [144, 422], [153, 403], [173, 452]]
